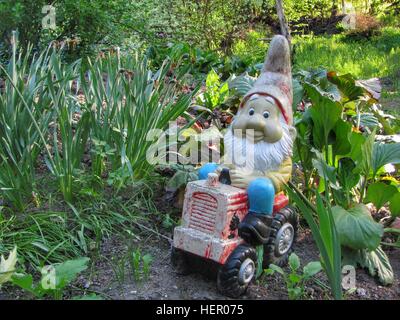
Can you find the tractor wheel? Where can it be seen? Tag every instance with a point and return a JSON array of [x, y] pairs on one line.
[[238, 271], [180, 262], [283, 234]]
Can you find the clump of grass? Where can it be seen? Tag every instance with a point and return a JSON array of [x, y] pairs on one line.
[[364, 59]]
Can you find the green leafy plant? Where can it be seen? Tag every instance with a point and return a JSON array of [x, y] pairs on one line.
[[55, 278], [320, 220], [118, 266], [348, 164], [140, 264], [215, 93], [24, 120], [295, 280]]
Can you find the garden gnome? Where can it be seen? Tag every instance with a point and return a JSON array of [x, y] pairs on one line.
[[259, 142]]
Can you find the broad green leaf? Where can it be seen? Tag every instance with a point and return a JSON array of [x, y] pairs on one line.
[[341, 145], [347, 86], [312, 268], [356, 140], [294, 262], [69, 270], [178, 180], [394, 205], [298, 93], [379, 193], [366, 155], [368, 120], [356, 228], [323, 85], [347, 178], [324, 170], [325, 113], [25, 282], [384, 154], [242, 84]]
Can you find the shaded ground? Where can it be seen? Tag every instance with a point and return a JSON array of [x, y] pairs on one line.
[[163, 283]]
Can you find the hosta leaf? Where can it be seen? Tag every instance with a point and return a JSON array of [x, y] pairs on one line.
[[378, 264], [365, 156], [394, 205], [325, 113], [242, 84], [356, 228], [347, 86], [356, 141], [324, 86], [179, 179], [384, 154], [379, 193], [342, 145], [347, 178], [298, 93], [368, 120], [324, 170], [68, 271]]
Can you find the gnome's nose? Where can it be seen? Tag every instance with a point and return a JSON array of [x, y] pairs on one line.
[[256, 123]]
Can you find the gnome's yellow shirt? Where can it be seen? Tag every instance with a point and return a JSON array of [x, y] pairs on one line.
[[279, 178], [282, 176]]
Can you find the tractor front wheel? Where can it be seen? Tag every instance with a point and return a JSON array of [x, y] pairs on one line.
[[283, 235], [238, 271]]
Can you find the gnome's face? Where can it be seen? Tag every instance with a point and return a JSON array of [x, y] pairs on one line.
[[262, 133], [262, 115]]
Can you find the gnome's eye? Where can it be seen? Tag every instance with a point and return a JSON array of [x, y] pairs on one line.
[[266, 114], [251, 111]]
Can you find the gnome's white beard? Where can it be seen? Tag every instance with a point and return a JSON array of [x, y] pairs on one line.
[[260, 156]]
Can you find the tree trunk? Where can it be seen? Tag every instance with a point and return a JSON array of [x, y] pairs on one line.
[[282, 21], [334, 9]]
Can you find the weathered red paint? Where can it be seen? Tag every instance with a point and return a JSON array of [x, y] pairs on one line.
[[280, 202], [207, 217]]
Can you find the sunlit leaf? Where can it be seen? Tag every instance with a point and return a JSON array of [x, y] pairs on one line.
[[379, 193]]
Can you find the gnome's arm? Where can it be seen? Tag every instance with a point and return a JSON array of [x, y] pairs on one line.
[[282, 176], [278, 178]]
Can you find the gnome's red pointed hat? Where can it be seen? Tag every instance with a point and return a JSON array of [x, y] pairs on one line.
[[275, 80]]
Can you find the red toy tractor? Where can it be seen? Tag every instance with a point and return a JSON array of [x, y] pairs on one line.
[[212, 212]]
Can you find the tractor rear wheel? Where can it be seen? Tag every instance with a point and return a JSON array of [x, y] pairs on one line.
[[283, 234], [238, 271]]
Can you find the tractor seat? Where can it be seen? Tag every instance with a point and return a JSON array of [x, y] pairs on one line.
[[280, 201]]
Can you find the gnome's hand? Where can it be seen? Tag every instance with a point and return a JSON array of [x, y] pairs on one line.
[[241, 179]]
